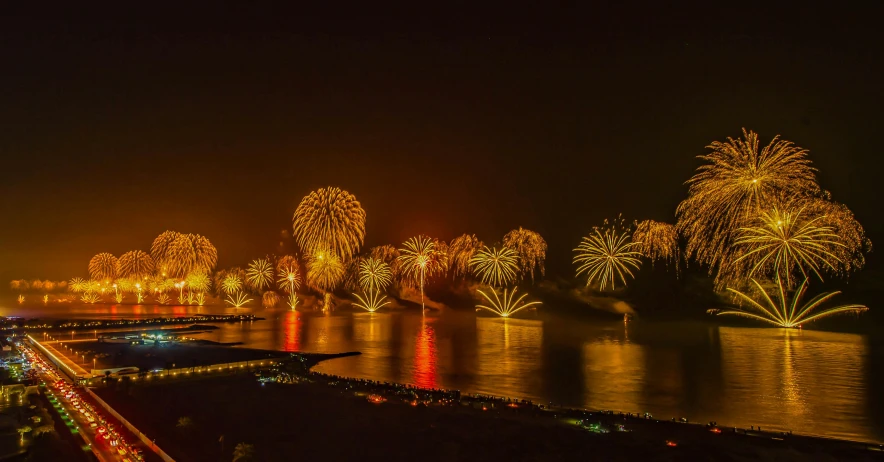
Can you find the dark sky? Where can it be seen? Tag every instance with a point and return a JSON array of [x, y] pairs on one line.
[[116, 125]]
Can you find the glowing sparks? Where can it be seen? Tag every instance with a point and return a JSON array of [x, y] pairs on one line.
[[324, 271], [530, 247], [90, 298], [260, 274], [372, 301], [374, 275], [777, 310], [21, 299], [159, 249], [461, 250], [103, 266], [738, 182], [506, 306], [785, 240], [189, 253], [607, 255], [659, 241], [77, 285], [330, 220], [496, 267], [419, 260], [135, 264], [231, 284], [238, 299], [270, 299], [162, 299]]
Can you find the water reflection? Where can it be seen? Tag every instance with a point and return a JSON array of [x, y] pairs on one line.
[[813, 382]]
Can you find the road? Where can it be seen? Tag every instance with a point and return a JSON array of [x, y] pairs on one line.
[[73, 419]]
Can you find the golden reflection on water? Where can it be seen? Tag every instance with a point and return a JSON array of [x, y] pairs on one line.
[[508, 356], [794, 379]]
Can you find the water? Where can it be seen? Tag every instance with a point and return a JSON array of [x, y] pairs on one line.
[[811, 382]]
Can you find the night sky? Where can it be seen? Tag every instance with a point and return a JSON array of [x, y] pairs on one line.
[[117, 125]]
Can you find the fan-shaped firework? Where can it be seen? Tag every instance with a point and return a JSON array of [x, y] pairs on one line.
[[738, 182], [260, 274], [461, 250], [238, 299], [775, 309], [374, 275], [330, 220], [372, 301], [324, 271], [495, 267], [506, 306], [420, 260], [90, 298], [232, 283], [530, 247], [659, 241], [190, 253], [270, 299], [784, 240], [136, 264], [103, 266], [606, 255], [77, 285]]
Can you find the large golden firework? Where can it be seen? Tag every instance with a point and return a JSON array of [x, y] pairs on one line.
[[259, 274], [736, 184], [104, 266], [659, 241], [159, 249], [420, 260], [374, 275], [461, 250], [190, 253], [530, 247], [330, 220], [506, 306], [607, 254], [388, 254], [232, 283], [372, 301], [782, 241], [324, 271], [136, 264], [495, 267], [775, 309]]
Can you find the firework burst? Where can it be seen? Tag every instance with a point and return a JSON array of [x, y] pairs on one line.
[[785, 240], [324, 271], [419, 260], [840, 219], [198, 281], [777, 310], [495, 267], [135, 264], [260, 274], [738, 181], [461, 250], [103, 266], [159, 249], [374, 275], [330, 220], [77, 285], [90, 298], [530, 247], [231, 284], [506, 306], [190, 253], [372, 301], [659, 241], [238, 299], [269, 299], [606, 255]]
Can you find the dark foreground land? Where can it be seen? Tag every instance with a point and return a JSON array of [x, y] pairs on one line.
[[321, 419]]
